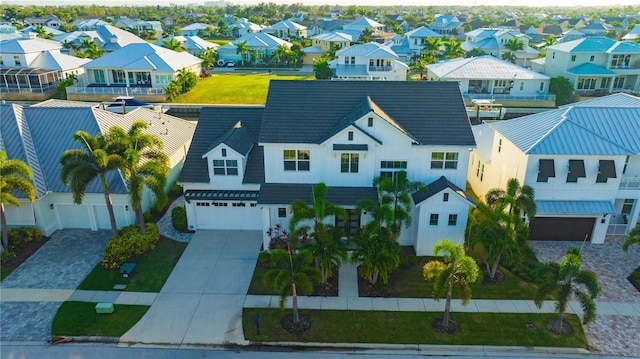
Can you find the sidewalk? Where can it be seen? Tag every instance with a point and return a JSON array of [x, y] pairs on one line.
[[61, 295]]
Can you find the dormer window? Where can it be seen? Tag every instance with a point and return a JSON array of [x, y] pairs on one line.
[[350, 135], [370, 122], [225, 167], [224, 152]]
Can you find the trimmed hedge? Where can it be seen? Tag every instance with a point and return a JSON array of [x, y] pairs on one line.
[[129, 243], [179, 218], [19, 237]]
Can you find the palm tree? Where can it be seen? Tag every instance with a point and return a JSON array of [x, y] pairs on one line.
[[396, 192], [81, 166], [292, 272], [453, 49], [566, 280], [455, 269], [514, 45], [365, 36], [209, 58], [14, 175], [432, 47], [145, 164], [328, 247], [243, 50], [419, 65], [173, 44], [186, 79], [517, 199], [94, 50], [377, 251], [549, 41], [632, 238], [282, 52]]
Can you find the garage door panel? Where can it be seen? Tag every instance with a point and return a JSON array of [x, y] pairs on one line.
[[560, 229], [73, 215], [103, 219], [212, 217]]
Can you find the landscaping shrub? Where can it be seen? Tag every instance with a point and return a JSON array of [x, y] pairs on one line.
[[147, 216], [19, 237], [408, 260], [263, 257], [159, 205], [7, 256], [129, 243], [179, 218], [175, 190]]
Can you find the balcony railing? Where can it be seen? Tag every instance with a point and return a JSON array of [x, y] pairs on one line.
[[129, 91], [26, 89], [629, 183], [500, 97], [379, 68]]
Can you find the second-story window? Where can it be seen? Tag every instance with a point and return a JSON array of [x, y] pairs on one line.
[[448, 160], [573, 58], [296, 160], [390, 168], [225, 167], [16, 60], [349, 162]]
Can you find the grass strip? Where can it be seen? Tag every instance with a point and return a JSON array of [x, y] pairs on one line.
[[81, 319]]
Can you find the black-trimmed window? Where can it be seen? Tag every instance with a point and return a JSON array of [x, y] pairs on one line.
[[349, 162], [350, 135], [225, 167], [546, 169], [576, 170], [499, 145], [297, 160], [282, 212], [370, 122], [433, 219], [606, 170], [445, 197], [453, 220], [447, 160], [224, 152], [390, 168]]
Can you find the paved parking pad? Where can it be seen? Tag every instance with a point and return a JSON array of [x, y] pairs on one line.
[[27, 321]]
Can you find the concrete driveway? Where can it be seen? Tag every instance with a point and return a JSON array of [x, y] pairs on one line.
[[201, 302]]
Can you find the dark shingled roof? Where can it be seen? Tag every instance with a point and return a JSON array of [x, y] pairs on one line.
[[213, 124], [237, 137], [254, 172], [436, 187], [285, 193], [307, 111]]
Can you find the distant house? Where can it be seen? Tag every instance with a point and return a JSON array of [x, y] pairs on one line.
[[259, 44], [193, 44], [571, 35], [633, 34], [242, 27], [139, 25], [446, 25], [51, 21], [110, 38], [286, 29], [594, 64], [27, 134], [371, 61], [47, 30], [493, 41], [324, 26], [335, 39], [356, 27], [195, 29], [88, 24], [412, 42], [595, 29]]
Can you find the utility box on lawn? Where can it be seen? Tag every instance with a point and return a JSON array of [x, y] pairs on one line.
[[104, 308]]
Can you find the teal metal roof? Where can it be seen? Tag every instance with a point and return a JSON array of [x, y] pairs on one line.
[[625, 47], [590, 69], [588, 44], [574, 207]]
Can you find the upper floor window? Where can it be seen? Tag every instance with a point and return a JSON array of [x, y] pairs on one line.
[[370, 122], [350, 136], [224, 152], [576, 170], [499, 144], [453, 219], [349, 162], [573, 57], [606, 170], [592, 57], [282, 212], [296, 160], [626, 163], [445, 197], [521, 85], [546, 169], [541, 86], [225, 167], [433, 219], [447, 160], [16, 60], [390, 168], [553, 55]]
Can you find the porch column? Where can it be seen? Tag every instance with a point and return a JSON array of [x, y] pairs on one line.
[[634, 216], [266, 224], [611, 84]]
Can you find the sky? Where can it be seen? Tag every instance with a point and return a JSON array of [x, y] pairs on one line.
[[537, 3]]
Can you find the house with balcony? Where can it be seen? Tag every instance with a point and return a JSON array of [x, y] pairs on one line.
[[371, 61], [247, 164], [410, 44], [286, 29], [109, 38], [259, 45], [594, 65], [446, 25], [27, 134], [140, 70], [582, 160], [489, 78], [493, 41], [334, 39]]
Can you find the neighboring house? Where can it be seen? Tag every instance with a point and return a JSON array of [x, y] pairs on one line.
[[611, 21], [51, 21], [259, 44], [446, 25], [595, 29], [286, 29], [47, 30], [324, 26], [633, 34], [580, 159], [571, 35], [139, 25], [110, 38], [136, 69], [493, 41], [88, 24], [411, 43], [247, 164], [334, 39], [194, 29], [534, 35], [242, 27], [356, 27], [26, 134], [486, 77], [554, 30], [194, 44], [594, 64], [371, 61], [7, 29]]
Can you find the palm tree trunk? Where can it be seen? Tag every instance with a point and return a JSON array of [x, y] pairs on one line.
[[447, 307], [107, 199], [140, 219], [494, 267], [374, 276], [294, 296], [5, 235]]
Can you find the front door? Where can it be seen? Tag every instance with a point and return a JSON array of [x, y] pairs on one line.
[[352, 225]]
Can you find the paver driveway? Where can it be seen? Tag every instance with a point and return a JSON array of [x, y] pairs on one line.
[[201, 302]]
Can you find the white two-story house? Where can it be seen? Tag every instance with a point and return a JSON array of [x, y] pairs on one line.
[[247, 164], [594, 65], [493, 41], [582, 160], [370, 61]]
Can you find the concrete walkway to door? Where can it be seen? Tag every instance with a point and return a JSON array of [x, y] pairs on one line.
[[201, 302]]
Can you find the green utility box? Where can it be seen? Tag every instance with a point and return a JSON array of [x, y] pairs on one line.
[[104, 308]]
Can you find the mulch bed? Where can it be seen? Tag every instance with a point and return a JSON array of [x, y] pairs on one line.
[[559, 327], [437, 325], [329, 289], [23, 254], [497, 279], [296, 328]]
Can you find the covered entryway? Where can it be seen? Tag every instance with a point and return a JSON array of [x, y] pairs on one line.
[[560, 229]]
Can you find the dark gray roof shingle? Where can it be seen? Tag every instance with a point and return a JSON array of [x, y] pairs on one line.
[[285, 193], [436, 187], [307, 111]]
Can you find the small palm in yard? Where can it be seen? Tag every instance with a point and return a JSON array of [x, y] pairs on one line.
[[292, 273], [564, 281], [456, 268], [14, 175], [632, 238]]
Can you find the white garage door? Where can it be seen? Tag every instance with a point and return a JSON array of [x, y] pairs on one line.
[[229, 217], [73, 215], [103, 220]]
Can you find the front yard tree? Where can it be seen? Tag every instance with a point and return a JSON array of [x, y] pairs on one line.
[[321, 69], [564, 281], [516, 199], [292, 273], [377, 251], [144, 164], [242, 49], [455, 269], [396, 193], [173, 44], [366, 35], [562, 88], [15, 175], [81, 166], [632, 238]]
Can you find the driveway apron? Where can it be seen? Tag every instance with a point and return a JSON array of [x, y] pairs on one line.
[[61, 263], [201, 302]]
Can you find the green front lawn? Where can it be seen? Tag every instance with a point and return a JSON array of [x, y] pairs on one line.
[[336, 326], [152, 270], [409, 283], [234, 88], [257, 286], [81, 319]]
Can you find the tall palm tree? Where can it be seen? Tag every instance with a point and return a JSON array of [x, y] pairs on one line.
[[513, 46], [365, 36], [566, 280], [242, 49], [377, 251], [209, 58], [173, 44], [292, 272], [517, 199], [81, 166], [397, 193], [186, 79], [282, 52], [432, 47], [144, 164], [15, 175], [94, 50], [453, 48], [549, 41], [455, 269]]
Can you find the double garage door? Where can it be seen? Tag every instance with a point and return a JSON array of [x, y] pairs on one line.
[[227, 217], [560, 229], [89, 216]]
